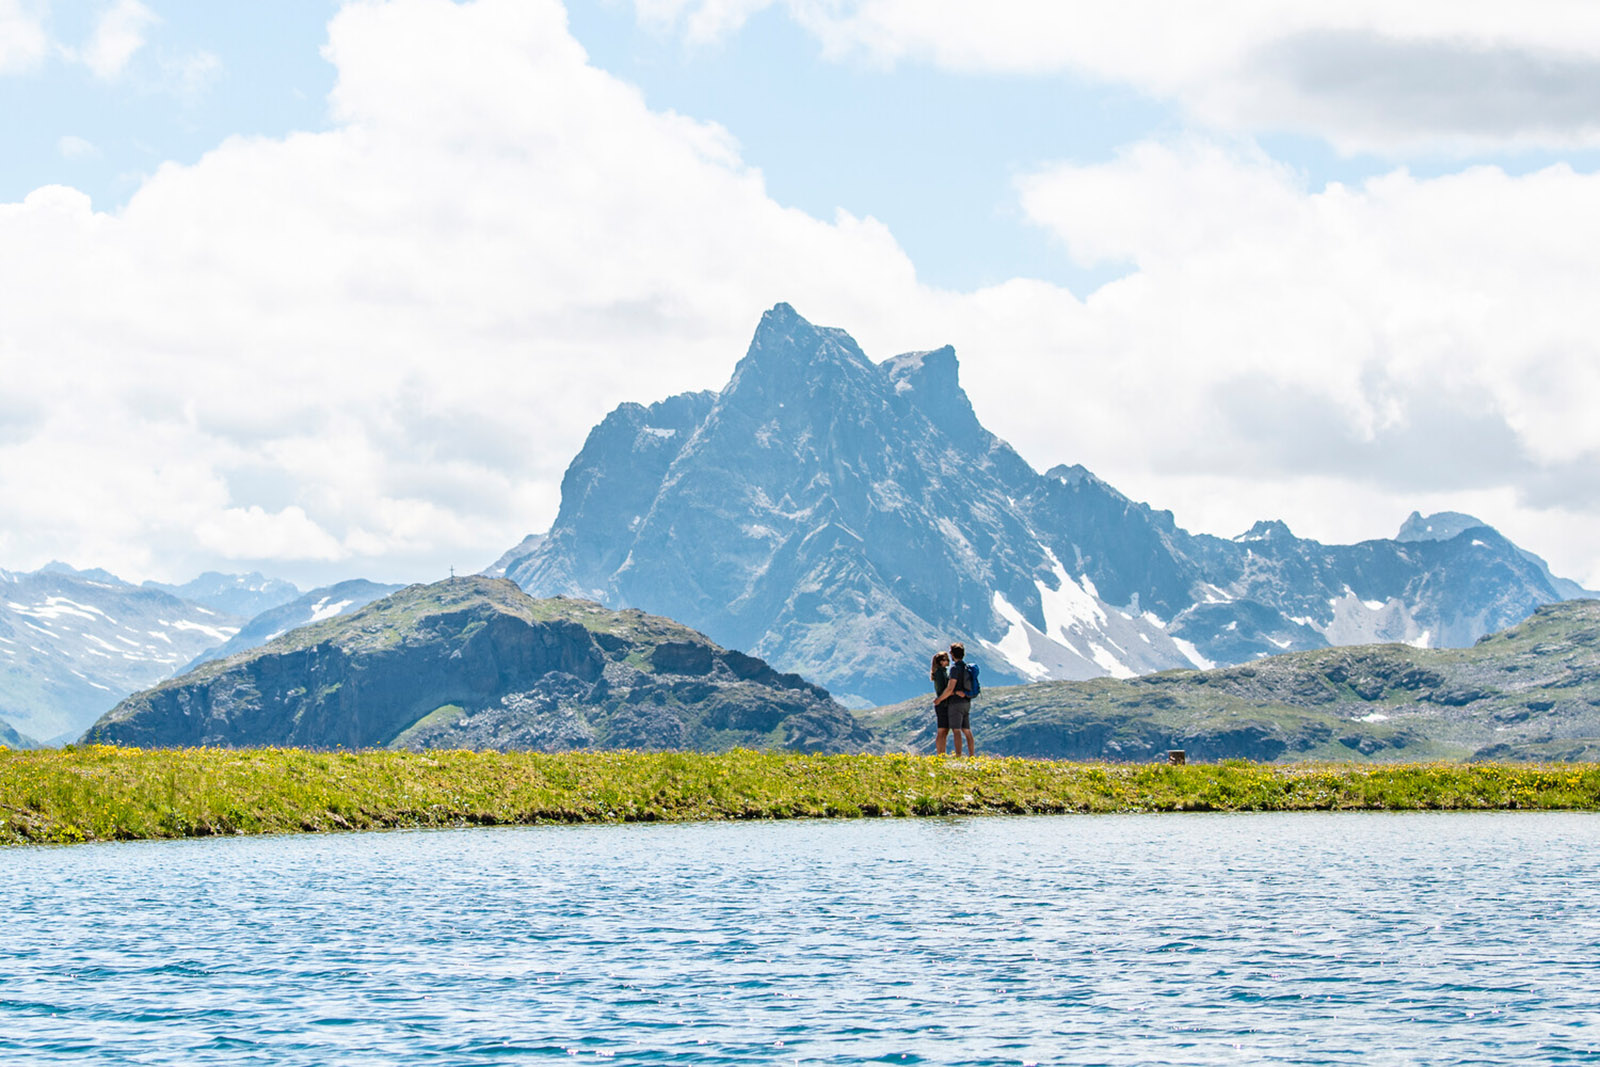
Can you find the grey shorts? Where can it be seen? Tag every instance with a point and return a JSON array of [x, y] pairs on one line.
[[959, 713]]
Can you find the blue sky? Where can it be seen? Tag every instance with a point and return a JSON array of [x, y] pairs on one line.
[[207, 71], [932, 153], [1324, 267]]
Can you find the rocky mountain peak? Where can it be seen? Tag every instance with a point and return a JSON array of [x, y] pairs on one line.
[[788, 357], [843, 517], [936, 370], [931, 381], [93, 574], [1077, 474], [233, 594], [1267, 530], [1440, 526]]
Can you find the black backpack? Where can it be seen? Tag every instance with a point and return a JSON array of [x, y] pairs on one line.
[[972, 687]]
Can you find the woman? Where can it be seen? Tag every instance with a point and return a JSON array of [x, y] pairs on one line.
[[941, 698]]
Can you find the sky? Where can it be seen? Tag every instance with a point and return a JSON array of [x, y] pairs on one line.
[[332, 290]]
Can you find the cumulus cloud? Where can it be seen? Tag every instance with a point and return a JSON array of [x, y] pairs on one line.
[[1388, 93], [1409, 335], [373, 350], [254, 533], [1376, 298], [1368, 75], [404, 326]]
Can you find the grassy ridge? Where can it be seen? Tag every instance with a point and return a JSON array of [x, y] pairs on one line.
[[98, 793]]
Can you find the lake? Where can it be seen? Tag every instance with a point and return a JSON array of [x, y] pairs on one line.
[[1295, 938]]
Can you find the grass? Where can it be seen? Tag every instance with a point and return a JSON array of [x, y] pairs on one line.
[[102, 793]]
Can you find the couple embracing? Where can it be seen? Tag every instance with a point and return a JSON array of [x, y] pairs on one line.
[[955, 683]]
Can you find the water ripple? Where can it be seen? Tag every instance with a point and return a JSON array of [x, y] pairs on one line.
[[1303, 939]]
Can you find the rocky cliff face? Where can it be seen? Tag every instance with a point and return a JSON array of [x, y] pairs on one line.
[[843, 518], [475, 662]]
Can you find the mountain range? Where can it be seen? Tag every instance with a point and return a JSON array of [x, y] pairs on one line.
[[840, 518], [72, 643], [477, 663], [75, 642], [843, 518]]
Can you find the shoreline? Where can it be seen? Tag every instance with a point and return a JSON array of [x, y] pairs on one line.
[[102, 793]]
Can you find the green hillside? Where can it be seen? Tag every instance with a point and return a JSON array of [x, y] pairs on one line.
[[1528, 693], [476, 663]]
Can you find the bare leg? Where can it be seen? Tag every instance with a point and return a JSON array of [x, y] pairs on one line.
[[939, 740], [955, 736], [972, 746]]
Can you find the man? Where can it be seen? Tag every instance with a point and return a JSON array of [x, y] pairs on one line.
[[959, 709]]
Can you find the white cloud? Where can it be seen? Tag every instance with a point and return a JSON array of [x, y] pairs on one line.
[[23, 41], [74, 147], [701, 20], [118, 34], [1440, 75], [1380, 299], [404, 326], [254, 533], [374, 349], [1408, 337]]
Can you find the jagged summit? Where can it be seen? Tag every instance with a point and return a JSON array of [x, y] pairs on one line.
[[844, 518], [1077, 474], [1266, 530], [931, 382], [788, 351], [930, 372], [1440, 526]]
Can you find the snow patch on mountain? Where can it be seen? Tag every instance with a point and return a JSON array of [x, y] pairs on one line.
[[1192, 654], [216, 633], [1069, 606], [1036, 655], [77, 641], [1357, 621], [1016, 644], [1083, 636], [327, 608]]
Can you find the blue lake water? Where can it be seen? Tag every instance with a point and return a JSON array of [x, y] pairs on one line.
[[1305, 938]]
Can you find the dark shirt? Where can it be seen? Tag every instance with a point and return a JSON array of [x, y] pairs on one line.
[[941, 678], [959, 670]]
